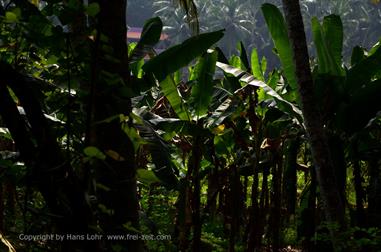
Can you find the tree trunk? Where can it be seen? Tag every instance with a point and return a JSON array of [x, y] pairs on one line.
[[254, 234], [340, 167], [237, 205], [306, 226], [183, 219], [213, 185], [332, 202], [290, 176], [276, 199], [374, 193], [110, 73], [1, 208], [360, 193], [196, 218], [57, 182]]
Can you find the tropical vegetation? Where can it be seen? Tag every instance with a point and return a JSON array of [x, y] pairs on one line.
[[111, 146]]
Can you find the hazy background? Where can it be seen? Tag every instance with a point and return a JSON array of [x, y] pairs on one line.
[[244, 22]]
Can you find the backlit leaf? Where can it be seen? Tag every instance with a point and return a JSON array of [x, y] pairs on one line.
[[94, 152]]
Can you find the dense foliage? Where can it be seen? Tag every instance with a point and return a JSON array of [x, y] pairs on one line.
[[243, 21], [108, 147]]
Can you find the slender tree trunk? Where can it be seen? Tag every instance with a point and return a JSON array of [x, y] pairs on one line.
[[276, 199], [290, 176], [374, 194], [244, 192], [332, 202], [237, 206], [360, 215], [338, 159], [306, 227], [183, 219], [360, 193], [254, 235], [1, 208], [196, 218], [212, 191], [213, 185]]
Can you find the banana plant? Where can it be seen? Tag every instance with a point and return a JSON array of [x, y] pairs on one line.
[[347, 96], [278, 30], [273, 120], [161, 68], [350, 100], [192, 110], [342, 94], [205, 96], [189, 112]]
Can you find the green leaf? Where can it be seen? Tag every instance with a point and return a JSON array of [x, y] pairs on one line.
[[133, 134], [173, 126], [278, 128], [94, 152], [202, 91], [358, 54], [150, 37], [136, 68], [374, 48], [362, 107], [226, 109], [170, 91], [92, 9], [11, 17], [243, 55], [237, 62], [229, 83], [4, 132], [256, 68], [329, 93], [278, 29], [151, 31], [160, 152], [329, 61], [102, 187], [264, 65], [250, 79], [224, 143], [363, 72], [333, 32], [146, 176], [181, 55]]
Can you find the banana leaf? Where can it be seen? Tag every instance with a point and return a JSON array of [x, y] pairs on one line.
[[181, 55], [363, 72], [164, 169], [169, 89], [363, 106], [256, 68], [278, 29], [202, 91], [328, 59], [150, 37], [250, 80]]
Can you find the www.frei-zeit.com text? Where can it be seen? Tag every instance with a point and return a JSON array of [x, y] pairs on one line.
[[94, 237]]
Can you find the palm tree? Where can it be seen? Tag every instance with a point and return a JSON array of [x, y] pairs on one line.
[[332, 202]]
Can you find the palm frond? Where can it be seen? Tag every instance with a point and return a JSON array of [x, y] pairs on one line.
[[190, 9]]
